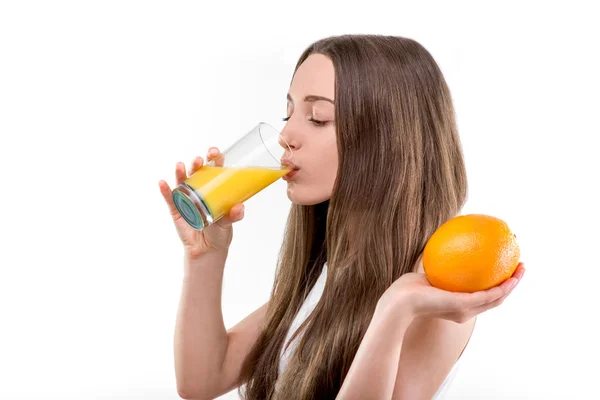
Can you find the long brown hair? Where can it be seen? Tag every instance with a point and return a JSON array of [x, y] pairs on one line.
[[401, 174]]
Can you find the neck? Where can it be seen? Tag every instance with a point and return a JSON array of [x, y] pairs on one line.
[[319, 246]]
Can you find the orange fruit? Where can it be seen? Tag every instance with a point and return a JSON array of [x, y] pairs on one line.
[[470, 253]]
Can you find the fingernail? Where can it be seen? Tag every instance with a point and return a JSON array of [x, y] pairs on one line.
[[513, 284]]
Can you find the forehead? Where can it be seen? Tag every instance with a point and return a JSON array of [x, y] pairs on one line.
[[315, 76]]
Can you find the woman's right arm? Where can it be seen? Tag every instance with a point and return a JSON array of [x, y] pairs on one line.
[[208, 359]]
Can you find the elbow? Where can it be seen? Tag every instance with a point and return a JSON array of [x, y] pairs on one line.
[[187, 392], [196, 386]]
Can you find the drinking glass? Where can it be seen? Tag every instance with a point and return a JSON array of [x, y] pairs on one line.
[[252, 163]]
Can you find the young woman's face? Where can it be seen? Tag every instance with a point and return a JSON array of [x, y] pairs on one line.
[[310, 131]]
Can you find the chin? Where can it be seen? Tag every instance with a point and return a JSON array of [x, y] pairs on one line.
[[305, 196]]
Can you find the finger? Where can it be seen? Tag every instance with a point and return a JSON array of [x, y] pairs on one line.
[[492, 294], [197, 163], [489, 306], [180, 174], [519, 272], [214, 155], [468, 305], [167, 195], [464, 315], [480, 298], [236, 214], [499, 291], [511, 283]]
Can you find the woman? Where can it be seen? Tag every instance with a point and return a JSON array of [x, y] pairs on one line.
[[379, 169]]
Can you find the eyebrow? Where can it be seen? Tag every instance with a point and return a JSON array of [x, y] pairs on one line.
[[312, 98]]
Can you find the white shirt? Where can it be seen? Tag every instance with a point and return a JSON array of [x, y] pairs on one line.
[[307, 307]]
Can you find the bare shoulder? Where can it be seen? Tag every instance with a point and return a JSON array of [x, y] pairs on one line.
[[438, 336], [430, 348]]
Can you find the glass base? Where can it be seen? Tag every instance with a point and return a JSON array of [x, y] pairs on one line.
[[191, 207]]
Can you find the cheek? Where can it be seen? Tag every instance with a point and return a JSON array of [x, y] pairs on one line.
[[318, 184], [325, 171], [322, 156], [330, 170], [332, 164]]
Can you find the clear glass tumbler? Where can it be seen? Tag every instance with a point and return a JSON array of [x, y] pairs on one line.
[[252, 163]]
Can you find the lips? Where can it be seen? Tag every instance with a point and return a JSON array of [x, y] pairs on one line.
[[289, 175], [287, 163], [292, 166]]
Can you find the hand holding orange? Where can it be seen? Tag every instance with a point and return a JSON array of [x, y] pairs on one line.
[[470, 253]]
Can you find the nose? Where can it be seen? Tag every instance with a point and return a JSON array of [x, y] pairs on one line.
[[287, 137]]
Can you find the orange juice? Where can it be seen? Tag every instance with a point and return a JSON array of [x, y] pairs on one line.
[[223, 187]]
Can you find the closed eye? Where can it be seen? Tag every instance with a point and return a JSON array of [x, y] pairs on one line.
[[314, 121], [317, 122]]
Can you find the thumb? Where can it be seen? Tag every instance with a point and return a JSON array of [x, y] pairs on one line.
[[236, 214]]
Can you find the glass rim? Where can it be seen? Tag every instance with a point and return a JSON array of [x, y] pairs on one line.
[[278, 134]]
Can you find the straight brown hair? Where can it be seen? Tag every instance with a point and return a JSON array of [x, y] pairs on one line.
[[401, 175]]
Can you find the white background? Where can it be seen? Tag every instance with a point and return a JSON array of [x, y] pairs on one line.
[[99, 100]]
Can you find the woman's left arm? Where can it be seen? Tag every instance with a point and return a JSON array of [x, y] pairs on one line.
[[374, 369], [372, 374]]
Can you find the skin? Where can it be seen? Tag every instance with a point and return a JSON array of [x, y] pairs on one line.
[[310, 131]]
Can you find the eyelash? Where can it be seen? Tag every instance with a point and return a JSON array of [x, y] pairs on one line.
[[317, 123]]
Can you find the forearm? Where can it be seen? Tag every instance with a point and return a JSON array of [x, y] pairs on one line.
[[200, 341], [372, 374]]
